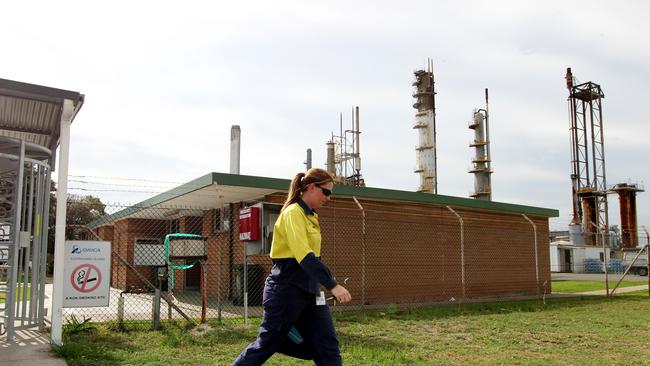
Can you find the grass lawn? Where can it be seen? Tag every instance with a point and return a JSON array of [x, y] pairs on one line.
[[578, 331], [575, 286], [3, 296]]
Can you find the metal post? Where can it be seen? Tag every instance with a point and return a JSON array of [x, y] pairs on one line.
[[44, 243], [120, 311], [29, 204], [203, 291], [156, 309], [10, 301], [245, 285], [363, 254], [36, 280], [629, 267], [647, 245], [218, 260], [59, 243], [462, 251], [605, 263], [536, 255]]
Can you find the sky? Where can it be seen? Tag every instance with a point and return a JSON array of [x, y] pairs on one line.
[[164, 82]]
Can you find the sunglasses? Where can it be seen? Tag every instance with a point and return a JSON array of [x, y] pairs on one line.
[[326, 191]]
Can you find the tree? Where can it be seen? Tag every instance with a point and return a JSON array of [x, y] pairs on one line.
[[80, 211]]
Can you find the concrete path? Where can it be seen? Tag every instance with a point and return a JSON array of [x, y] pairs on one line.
[[619, 290], [29, 348]]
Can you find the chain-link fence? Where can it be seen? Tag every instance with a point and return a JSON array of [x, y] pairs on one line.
[[384, 253], [591, 252]]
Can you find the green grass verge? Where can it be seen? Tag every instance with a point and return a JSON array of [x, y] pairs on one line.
[[3, 296], [575, 286], [579, 331]]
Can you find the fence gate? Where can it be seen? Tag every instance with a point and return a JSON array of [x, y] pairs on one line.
[[24, 217]]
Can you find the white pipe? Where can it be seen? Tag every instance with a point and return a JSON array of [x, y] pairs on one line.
[[59, 236], [462, 250], [536, 256], [357, 137], [235, 149], [363, 254]]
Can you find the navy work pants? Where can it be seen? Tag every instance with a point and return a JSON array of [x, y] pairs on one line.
[[286, 306]]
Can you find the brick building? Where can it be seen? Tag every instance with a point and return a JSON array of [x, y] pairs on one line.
[[391, 246]]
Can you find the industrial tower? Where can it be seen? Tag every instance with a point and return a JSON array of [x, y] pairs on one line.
[[343, 154], [627, 206], [589, 184], [481, 163], [425, 123]]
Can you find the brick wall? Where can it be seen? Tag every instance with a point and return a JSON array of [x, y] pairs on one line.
[[410, 252]]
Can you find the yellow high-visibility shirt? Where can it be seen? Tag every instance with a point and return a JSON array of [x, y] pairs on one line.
[[296, 234]]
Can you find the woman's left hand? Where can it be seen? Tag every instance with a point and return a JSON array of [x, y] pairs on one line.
[[341, 293]]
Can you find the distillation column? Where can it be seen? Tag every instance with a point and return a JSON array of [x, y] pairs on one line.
[[482, 163], [425, 123]]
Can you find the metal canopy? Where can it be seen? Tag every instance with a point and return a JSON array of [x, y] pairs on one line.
[[33, 112], [190, 199], [38, 119]]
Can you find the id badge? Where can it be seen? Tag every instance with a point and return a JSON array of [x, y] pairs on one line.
[[320, 299]]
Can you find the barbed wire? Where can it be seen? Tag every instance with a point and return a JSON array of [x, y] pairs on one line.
[[116, 184], [110, 190], [127, 179]]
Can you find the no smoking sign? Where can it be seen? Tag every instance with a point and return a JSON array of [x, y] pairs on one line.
[[87, 273], [86, 278]]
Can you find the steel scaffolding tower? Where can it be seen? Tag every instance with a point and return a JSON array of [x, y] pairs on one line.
[[344, 153], [589, 183]]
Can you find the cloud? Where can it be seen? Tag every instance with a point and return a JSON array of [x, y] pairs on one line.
[[164, 82]]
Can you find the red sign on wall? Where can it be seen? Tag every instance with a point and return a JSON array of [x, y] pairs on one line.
[[249, 223]]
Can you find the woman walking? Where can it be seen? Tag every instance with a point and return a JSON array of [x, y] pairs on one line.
[[292, 296]]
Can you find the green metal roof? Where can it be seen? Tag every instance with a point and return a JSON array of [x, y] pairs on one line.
[[237, 180]]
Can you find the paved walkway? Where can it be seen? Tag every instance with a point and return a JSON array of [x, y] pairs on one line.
[[619, 290], [29, 348]]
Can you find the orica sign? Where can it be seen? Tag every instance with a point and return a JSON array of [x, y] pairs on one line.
[[76, 249]]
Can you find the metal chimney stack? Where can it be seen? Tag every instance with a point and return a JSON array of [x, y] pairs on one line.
[[331, 166], [627, 199], [482, 163], [308, 161], [235, 144]]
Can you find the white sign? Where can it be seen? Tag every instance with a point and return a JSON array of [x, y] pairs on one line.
[[149, 254], [87, 273]]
